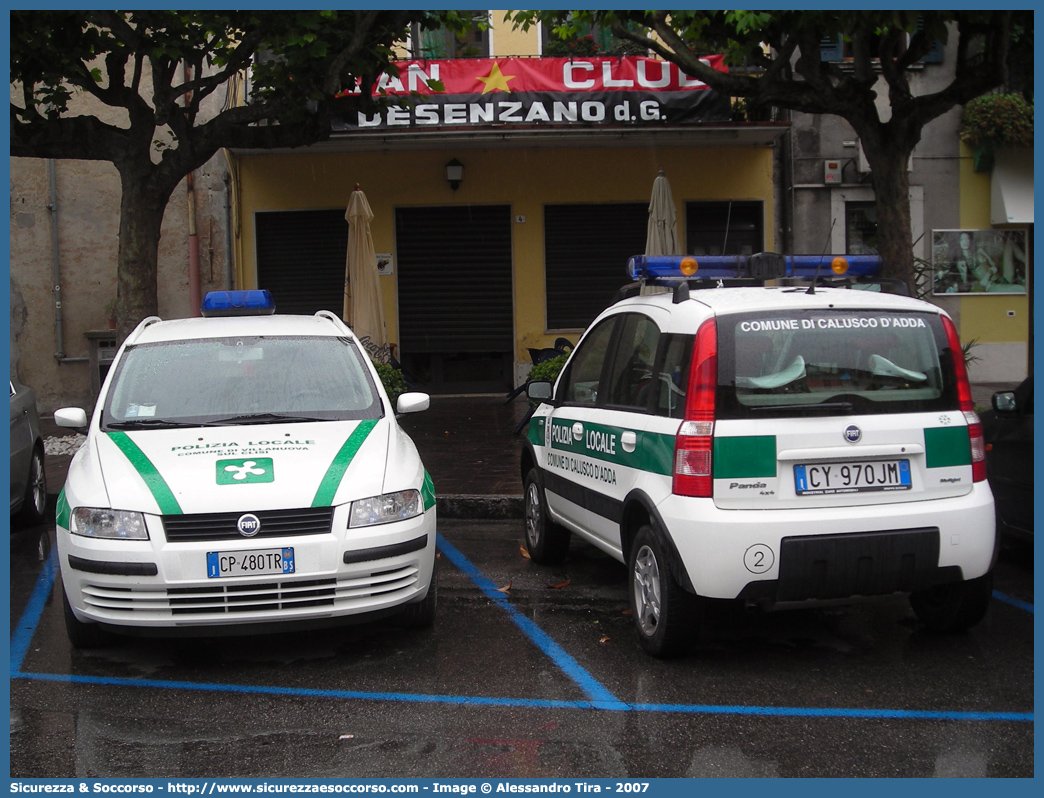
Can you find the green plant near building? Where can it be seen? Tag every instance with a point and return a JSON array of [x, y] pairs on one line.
[[996, 120], [392, 380], [548, 369]]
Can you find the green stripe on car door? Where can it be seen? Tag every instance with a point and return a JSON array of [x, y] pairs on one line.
[[428, 491], [62, 513], [161, 492], [332, 479], [653, 452]]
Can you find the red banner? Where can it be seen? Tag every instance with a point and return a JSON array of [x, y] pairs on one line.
[[510, 75], [544, 91]]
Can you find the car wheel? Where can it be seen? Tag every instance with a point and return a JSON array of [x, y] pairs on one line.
[[82, 634], [421, 614], [954, 607], [34, 504], [546, 541], [666, 616]]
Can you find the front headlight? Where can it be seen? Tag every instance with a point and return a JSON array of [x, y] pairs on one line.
[[99, 523], [385, 509]]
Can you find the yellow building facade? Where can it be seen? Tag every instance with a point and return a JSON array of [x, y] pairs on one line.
[[999, 324], [527, 179], [600, 174]]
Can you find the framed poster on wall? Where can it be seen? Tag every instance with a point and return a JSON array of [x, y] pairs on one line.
[[979, 261]]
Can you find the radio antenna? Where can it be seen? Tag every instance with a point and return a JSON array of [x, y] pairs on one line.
[[826, 246], [728, 222]]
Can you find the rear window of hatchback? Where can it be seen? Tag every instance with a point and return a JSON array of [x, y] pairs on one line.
[[833, 362]]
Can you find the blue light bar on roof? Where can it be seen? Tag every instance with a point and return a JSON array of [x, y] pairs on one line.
[[714, 267], [254, 302], [651, 267], [858, 265]]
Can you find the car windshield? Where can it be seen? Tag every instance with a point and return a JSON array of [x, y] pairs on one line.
[[247, 380], [834, 362]]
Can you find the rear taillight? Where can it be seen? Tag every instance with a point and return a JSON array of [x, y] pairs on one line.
[[964, 397], [692, 447]]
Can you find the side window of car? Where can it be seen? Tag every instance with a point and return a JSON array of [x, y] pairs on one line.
[[582, 383], [672, 375], [631, 375]]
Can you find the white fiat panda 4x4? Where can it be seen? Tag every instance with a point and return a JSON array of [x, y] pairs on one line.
[[768, 440]]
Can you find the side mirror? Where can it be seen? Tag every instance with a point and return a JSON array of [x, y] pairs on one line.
[[412, 402], [1004, 402], [540, 390], [74, 418]]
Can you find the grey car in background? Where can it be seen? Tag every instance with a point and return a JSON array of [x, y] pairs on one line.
[[28, 482]]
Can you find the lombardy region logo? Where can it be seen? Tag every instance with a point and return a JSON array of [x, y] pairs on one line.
[[244, 471]]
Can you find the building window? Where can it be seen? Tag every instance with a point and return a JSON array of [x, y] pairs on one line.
[[442, 43], [837, 49], [860, 228], [588, 41], [724, 228]]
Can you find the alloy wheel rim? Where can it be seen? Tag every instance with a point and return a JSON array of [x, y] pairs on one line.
[[39, 485], [647, 590], [533, 514]]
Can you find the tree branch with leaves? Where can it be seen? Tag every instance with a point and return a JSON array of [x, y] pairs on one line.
[[130, 87], [775, 62]]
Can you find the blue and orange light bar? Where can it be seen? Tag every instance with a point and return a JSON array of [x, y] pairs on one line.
[[763, 266]]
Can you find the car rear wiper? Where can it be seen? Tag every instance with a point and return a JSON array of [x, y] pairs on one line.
[[261, 418], [844, 407]]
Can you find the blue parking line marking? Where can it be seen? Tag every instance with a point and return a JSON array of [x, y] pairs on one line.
[[1022, 605], [26, 628], [23, 632], [307, 692], [534, 703], [598, 694], [818, 712]]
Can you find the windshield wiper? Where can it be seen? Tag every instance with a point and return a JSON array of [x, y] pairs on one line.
[[154, 423], [262, 418]]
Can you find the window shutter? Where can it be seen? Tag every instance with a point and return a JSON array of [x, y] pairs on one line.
[[586, 248], [301, 259]]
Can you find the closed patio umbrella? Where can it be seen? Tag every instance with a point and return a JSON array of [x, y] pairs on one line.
[[363, 309], [661, 237]]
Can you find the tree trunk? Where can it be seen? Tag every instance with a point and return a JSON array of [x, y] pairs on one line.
[[891, 182], [141, 217]]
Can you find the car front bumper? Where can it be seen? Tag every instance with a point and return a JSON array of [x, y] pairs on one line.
[[157, 583]]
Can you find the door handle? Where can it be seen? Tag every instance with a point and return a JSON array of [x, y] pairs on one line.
[[629, 440], [578, 430]]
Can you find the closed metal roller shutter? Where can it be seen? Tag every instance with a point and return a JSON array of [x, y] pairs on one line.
[[586, 248], [454, 266], [301, 259]]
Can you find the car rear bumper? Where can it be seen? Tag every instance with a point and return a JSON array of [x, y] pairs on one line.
[[828, 553]]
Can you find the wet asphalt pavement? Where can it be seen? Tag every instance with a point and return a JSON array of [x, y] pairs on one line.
[[529, 672]]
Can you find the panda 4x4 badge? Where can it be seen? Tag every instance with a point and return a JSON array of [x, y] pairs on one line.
[[239, 472]]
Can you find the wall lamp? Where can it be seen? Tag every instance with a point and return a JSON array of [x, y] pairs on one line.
[[454, 173]]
